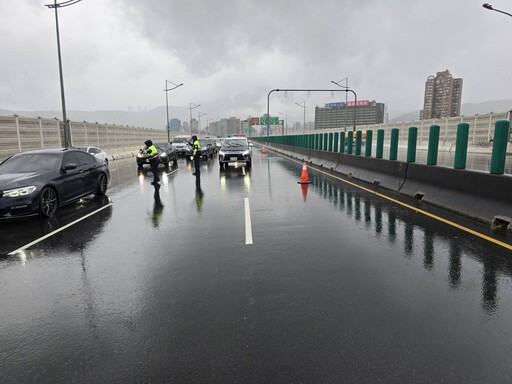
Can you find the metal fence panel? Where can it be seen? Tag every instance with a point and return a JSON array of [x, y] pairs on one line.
[[18, 134]]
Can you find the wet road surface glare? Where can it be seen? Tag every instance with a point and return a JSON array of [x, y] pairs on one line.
[[245, 276]]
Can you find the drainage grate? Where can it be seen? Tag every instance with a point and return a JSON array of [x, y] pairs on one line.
[[501, 223]]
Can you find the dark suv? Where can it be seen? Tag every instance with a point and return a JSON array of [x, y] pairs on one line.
[[235, 150]]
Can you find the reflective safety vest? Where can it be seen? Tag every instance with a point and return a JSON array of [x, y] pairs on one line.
[[196, 147], [151, 151]]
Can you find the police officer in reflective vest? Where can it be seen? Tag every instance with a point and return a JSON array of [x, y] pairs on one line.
[[196, 153], [154, 160]]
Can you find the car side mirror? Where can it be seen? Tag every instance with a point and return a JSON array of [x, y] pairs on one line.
[[69, 166], [250, 144]]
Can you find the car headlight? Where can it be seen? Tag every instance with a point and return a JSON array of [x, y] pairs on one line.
[[163, 155], [140, 155], [246, 153], [222, 153], [19, 191]]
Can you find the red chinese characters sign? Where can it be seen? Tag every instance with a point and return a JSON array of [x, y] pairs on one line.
[[255, 121], [360, 103]]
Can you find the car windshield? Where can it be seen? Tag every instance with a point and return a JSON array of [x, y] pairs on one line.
[[235, 143], [31, 162], [180, 140]]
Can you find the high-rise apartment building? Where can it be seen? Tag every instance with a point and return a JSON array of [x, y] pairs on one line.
[[443, 95]]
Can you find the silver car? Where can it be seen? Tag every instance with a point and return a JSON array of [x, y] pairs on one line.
[[97, 153], [180, 143]]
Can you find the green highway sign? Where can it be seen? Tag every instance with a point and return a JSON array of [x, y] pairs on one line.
[[274, 120]]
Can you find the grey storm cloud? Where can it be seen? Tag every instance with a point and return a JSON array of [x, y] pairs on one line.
[[320, 33], [231, 53]]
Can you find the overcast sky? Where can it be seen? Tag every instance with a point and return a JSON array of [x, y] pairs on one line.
[[229, 54]]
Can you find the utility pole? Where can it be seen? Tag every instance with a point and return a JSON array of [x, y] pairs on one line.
[[166, 90], [55, 5]]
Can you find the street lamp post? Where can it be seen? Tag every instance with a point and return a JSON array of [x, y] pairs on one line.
[[207, 125], [285, 113], [346, 93], [166, 90], [55, 5], [303, 106], [190, 109], [355, 101], [490, 8]]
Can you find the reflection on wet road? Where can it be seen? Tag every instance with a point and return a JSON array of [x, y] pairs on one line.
[[336, 285]]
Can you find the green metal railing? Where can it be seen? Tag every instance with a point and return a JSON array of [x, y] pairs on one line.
[[335, 142]]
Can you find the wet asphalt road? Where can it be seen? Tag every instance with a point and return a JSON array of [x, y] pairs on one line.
[[339, 286]]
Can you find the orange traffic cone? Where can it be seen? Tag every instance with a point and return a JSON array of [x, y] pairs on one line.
[[304, 179], [263, 150]]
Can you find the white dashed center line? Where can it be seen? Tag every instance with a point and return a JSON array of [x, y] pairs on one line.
[[248, 226]]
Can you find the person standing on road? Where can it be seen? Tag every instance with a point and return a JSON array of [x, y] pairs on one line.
[[196, 153], [154, 160]]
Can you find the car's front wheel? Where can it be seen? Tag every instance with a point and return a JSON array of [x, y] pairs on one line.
[[102, 185], [48, 202]]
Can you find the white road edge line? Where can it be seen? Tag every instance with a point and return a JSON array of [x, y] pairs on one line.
[[170, 173], [248, 226], [56, 231]]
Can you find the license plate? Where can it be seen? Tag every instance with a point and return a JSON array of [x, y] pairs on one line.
[[233, 159]]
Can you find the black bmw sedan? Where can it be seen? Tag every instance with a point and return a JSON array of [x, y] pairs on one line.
[[38, 182]]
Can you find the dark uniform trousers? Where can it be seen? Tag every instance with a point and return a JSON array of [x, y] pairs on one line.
[[197, 162]]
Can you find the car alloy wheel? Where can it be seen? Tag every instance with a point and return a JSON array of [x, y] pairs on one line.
[[102, 185], [48, 202]]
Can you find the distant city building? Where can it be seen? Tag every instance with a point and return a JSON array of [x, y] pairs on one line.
[[224, 127], [195, 125], [185, 127], [341, 115], [175, 125], [234, 126], [443, 95], [214, 128]]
